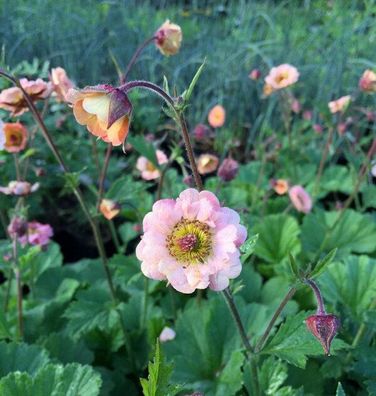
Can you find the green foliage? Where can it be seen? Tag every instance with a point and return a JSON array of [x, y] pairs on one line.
[[54, 380], [157, 383], [278, 237]]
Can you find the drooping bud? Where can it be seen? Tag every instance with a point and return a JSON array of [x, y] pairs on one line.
[[280, 186], [168, 38], [207, 163], [324, 327], [109, 208], [228, 169]]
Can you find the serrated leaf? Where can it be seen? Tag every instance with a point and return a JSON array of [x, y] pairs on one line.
[[294, 343], [323, 263], [273, 374], [278, 236], [248, 247], [53, 380], [157, 383], [21, 357]]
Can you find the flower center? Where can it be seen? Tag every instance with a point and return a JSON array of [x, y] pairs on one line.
[[150, 167], [190, 241]]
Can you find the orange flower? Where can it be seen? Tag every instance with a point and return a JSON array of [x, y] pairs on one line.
[[217, 116], [168, 38], [109, 208], [280, 186], [15, 137], [104, 110], [207, 163], [12, 99], [60, 82]]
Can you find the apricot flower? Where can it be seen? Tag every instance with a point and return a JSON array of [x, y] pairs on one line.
[[192, 242], [280, 186], [217, 116], [282, 76], [207, 163], [12, 99], [367, 82], [60, 82], [147, 168], [168, 38], [104, 110], [109, 208], [339, 105], [15, 137]]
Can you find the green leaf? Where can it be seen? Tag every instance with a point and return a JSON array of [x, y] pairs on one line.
[[294, 343], [144, 148], [294, 267], [53, 380], [187, 94], [66, 350], [355, 232], [206, 338], [158, 380], [351, 285], [340, 391], [248, 247], [278, 237], [21, 357], [4, 327], [273, 374], [322, 264], [94, 309]]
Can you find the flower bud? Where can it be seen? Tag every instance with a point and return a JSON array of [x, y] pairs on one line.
[[17, 227], [255, 74], [168, 38], [296, 106], [324, 327], [188, 180], [201, 131], [307, 115], [317, 128], [367, 82], [228, 169], [167, 334]]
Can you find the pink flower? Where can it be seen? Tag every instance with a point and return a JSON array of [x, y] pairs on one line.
[[228, 169], [147, 168], [19, 188], [317, 128], [300, 199], [367, 82], [167, 334], [339, 105], [37, 234], [12, 99], [60, 82], [282, 76], [192, 242], [2, 136]]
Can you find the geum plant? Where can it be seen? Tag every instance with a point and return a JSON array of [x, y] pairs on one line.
[[193, 242]]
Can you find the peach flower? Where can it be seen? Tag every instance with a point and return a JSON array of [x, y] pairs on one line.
[[217, 116], [300, 199], [367, 82], [105, 111], [339, 105], [61, 84], [282, 76], [192, 242], [12, 99], [109, 208], [280, 186], [19, 188], [15, 137], [207, 163], [147, 168], [168, 38]]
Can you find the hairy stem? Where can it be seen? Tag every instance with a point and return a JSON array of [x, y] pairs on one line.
[[322, 162], [17, 274], [270, 326], [320, 301]]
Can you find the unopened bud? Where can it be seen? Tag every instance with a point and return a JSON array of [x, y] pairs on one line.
[[324, 327], [255, 74], [228, 169], [17, 227]]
